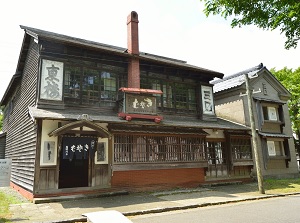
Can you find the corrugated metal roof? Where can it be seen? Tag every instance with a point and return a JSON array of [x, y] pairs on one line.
[[234, 80]]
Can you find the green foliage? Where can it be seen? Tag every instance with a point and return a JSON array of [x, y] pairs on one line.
[[268, 15], [291, 79]]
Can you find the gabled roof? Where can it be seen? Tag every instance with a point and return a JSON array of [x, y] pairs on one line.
[[38, 33], [235, 80]]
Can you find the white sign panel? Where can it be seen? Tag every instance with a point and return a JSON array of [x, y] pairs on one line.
[[5, 172], [207, 100], [51, 80]]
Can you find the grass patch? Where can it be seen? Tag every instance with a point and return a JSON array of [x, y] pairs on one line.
[[274, 186], [5, 201]]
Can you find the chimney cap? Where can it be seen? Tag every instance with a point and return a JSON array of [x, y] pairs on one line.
[[132, 17]]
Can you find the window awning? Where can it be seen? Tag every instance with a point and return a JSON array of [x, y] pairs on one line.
[[273, 135]]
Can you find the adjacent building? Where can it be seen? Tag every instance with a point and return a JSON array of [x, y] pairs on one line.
[[273, 127]]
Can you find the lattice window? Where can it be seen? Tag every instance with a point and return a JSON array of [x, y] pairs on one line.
[[241, 148], [151, 148]]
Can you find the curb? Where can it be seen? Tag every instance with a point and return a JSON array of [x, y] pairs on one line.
[[183, 207]]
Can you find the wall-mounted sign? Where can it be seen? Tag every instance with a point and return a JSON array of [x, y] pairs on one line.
[[207, 100], [5, 172], [51, 80], [140, 104], [101, 156], [48, 153]]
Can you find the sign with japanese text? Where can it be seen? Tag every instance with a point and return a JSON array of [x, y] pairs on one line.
[[79, 147], [5, 172], [207, 100], [51, 80], [140, 104]]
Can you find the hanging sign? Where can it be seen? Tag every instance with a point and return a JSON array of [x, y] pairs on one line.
[[79, 147]]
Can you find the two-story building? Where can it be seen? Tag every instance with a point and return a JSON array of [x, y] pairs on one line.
[[272, 121], [83, 117]]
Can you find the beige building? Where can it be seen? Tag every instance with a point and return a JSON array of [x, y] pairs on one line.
[[273, 126]]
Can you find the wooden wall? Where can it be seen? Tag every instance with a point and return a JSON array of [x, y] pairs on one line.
[[2, 146], [20, 128]]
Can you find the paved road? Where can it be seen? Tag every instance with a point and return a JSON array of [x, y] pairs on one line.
[[277, 210]]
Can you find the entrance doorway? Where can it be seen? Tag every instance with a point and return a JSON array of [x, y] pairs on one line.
[[73, 173], [76, 156], [217, 160]]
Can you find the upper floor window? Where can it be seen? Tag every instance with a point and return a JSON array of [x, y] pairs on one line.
[[90, 86], [270, 113], [177, 97]]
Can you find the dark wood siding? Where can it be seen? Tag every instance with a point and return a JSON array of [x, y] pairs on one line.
[[2, 146], [20, 129]]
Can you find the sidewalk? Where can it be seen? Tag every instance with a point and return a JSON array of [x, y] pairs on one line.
[[135, 204]]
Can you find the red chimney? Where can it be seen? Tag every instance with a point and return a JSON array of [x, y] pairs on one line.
[[133, 48]]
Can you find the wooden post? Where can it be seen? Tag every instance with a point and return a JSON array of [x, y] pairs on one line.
[[254, 137]]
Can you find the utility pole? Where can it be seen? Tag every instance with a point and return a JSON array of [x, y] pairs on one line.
[[254, 137]]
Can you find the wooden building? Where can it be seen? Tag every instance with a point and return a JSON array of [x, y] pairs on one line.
[[85, 117], [272, 121]]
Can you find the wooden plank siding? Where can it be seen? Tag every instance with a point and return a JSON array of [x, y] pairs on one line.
[[21, 132], [2, 145]]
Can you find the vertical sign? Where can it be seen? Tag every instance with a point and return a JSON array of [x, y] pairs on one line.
[[207, 100], [5, 172], [51, 80]]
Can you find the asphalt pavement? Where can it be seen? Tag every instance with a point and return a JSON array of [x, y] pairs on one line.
[[73, 208]]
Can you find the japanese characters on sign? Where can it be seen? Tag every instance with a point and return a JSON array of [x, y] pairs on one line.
[[5, 172], [207, 100], [51, 80], [79, 147], [49, 153], [140, 104]]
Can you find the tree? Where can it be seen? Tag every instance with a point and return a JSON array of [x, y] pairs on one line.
[[265, 14], [290, 80]]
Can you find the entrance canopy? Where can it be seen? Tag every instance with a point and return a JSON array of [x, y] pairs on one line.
[[81, 123]]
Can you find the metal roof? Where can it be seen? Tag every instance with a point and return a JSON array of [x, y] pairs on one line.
[[274, 135], [37, 33], [111, 117], [234, 80]]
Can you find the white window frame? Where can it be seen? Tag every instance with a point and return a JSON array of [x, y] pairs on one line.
[[272, 114], [271, 148]]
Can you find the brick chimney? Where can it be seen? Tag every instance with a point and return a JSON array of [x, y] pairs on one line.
[[133, 48]]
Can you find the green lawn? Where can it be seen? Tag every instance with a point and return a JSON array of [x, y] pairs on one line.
[[274, 186], [5, 201]]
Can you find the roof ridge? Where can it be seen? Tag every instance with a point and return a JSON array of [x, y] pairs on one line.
[[258, 67]]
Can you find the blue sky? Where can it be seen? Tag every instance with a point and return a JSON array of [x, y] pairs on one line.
[[177, 29]]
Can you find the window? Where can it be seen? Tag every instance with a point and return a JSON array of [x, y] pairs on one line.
[[90, 86], [131, 148], [270, 113], [271, 148], [216, 153], [176, 97], [275, 148], [241, 148]]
